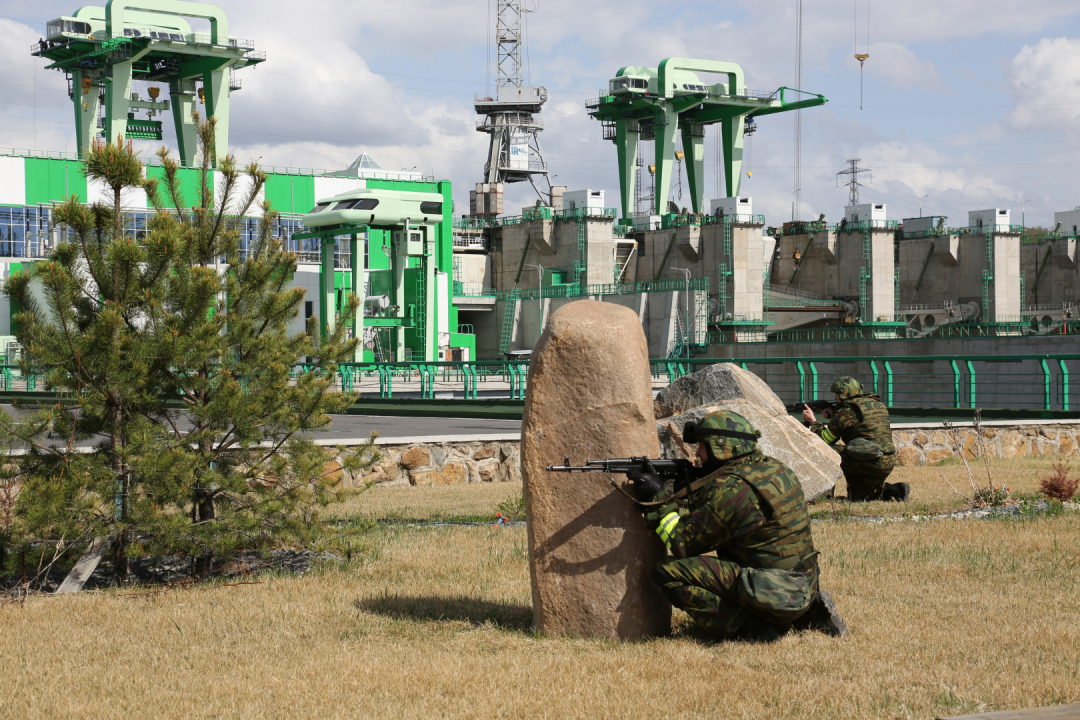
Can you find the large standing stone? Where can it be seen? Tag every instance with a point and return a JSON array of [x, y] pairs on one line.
[[590, 554], [729, 387]]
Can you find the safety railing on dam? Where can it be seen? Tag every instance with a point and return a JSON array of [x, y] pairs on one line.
[[1011, 382]]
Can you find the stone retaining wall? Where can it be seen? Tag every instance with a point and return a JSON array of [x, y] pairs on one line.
[[446, 463], [930, 444]]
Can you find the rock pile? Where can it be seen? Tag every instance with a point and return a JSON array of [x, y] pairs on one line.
[[590, 554], [729, 387]]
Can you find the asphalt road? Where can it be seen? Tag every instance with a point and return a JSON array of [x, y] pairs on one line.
[[359, 427]]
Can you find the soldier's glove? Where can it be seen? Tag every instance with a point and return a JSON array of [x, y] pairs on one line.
[[647, 483], [657, 513]]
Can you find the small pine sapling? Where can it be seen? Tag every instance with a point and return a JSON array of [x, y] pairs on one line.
[[1058, 486], [176, 350]]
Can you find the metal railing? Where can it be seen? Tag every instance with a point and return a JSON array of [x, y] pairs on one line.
[[469, 242], [474, 289], [1017, 382], [806, 227]]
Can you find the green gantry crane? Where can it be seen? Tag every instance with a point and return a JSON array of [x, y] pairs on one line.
[[102, 50], [645, 103]]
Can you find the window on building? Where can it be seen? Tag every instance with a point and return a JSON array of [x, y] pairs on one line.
[[309, 309], [431, 208]]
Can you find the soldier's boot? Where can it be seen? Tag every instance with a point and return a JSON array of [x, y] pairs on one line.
[[822, 615], [896, 492], [760, 632]]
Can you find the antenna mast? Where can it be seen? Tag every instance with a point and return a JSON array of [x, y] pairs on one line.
[[514, 153]]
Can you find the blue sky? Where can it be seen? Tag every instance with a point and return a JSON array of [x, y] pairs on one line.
[[972, 103]]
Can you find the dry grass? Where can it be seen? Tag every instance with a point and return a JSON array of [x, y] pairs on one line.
[[930, 494], [947, 617], [472, 500]]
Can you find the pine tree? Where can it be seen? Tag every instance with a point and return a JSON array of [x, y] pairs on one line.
[[183, 366]]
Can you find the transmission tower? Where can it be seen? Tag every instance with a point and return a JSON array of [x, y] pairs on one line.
[[514, 153], [853, 170]]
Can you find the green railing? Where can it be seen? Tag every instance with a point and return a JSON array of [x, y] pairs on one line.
[[1035, 382], [1032, 382], [567, 290], [1007, 382], [813, 226]]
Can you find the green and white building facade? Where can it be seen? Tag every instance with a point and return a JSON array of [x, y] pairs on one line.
[[31, 185]]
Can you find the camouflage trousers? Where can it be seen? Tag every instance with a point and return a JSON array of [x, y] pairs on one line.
[[707, 589], [866, 480]]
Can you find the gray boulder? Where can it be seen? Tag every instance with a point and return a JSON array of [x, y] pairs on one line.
[[729, 387]]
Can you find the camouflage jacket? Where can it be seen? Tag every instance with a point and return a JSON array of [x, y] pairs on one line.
[[751, 511], [859, 416]]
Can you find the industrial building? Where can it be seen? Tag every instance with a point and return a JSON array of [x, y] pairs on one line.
[[705, 283]]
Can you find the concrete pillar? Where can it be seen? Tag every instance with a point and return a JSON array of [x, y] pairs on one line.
[[881, 295], [1005, 295]]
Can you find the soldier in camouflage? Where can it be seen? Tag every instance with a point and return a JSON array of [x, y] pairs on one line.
[[867, 456], [748, 508]]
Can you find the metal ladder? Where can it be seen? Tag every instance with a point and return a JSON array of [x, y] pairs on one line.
[[507, 332]]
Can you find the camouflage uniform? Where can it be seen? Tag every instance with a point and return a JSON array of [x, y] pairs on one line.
[[862, 422], [752, 513]]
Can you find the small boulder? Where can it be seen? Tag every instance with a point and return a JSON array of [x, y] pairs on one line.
[[715, 383], [729, 387]]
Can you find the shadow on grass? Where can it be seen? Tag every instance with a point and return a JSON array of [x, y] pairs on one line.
[[476, 612]]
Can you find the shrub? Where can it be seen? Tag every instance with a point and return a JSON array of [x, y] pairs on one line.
[[1058, 486]]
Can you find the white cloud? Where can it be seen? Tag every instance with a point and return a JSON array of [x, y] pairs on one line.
[[1045, 80], [902, 67]]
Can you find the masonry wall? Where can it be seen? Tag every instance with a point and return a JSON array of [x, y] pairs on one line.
[[425, 464], [445, 464]]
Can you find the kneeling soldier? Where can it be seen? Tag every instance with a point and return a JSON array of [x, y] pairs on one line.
[[749, 509], [867, 456]]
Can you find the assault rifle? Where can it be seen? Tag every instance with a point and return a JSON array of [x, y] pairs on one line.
[[682, 472], [815, 405]]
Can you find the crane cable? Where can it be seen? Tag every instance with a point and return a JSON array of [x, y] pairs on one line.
[[862, 57]]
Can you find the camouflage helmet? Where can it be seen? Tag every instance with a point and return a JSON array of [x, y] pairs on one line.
[[727, 434], [846, 387]]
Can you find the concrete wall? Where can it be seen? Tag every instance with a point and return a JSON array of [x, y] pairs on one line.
[[830, 264], [955, 273], [1057, 285], [553, 245]]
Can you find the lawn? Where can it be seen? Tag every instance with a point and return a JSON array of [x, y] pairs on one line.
[[947, 618]]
